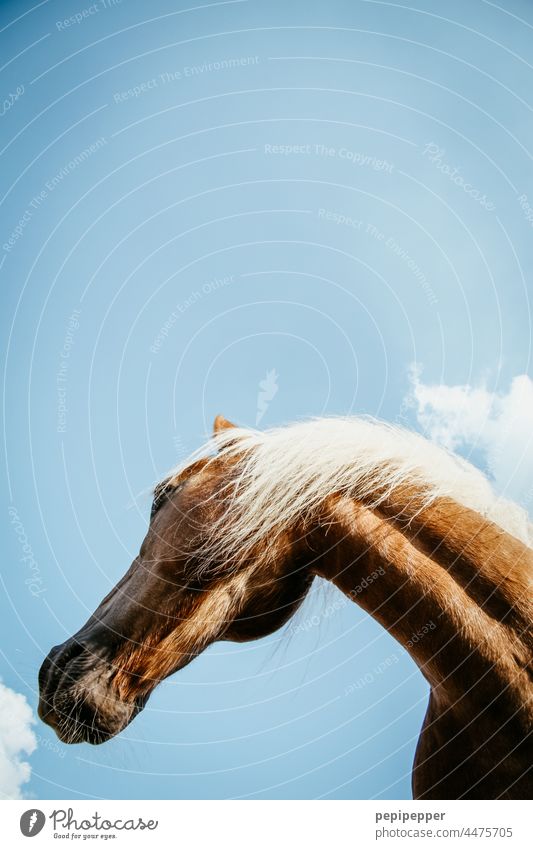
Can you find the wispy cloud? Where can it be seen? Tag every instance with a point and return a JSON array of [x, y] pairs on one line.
[[498, 425], [17, 740]]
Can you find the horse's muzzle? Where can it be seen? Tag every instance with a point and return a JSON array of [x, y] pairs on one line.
[[77, 698]]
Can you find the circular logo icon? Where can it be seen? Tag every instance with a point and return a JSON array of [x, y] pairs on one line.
[[32, 822]]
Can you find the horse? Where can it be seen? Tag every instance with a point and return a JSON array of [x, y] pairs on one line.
[[407, 530]]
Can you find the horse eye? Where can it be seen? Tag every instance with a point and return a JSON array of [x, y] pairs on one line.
[[156, 503], [161, 493]]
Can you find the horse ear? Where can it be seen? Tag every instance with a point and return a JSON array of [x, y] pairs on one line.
[[221, 424]]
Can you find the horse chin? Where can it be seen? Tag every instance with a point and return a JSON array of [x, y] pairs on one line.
[[82, 720], [81, 716], [85, 708]]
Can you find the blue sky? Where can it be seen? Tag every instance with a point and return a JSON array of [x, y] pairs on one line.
[[193, 199]]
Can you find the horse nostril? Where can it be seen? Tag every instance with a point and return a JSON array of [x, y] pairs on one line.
[[59, 656], [52, 670], [65, 653]]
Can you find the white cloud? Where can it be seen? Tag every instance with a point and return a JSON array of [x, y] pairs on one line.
[[499, 426], [16, 740]]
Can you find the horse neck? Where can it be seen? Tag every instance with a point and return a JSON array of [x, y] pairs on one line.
[[453, 588]]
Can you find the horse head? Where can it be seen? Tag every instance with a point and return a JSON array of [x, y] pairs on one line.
[[183, 591]]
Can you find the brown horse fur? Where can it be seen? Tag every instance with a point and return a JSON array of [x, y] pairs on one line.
[[437, 561]]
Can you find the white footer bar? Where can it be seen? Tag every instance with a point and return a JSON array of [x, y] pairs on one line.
[[266, 824]]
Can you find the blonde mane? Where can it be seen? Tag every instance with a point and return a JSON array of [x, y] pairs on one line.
[[284, 474]]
